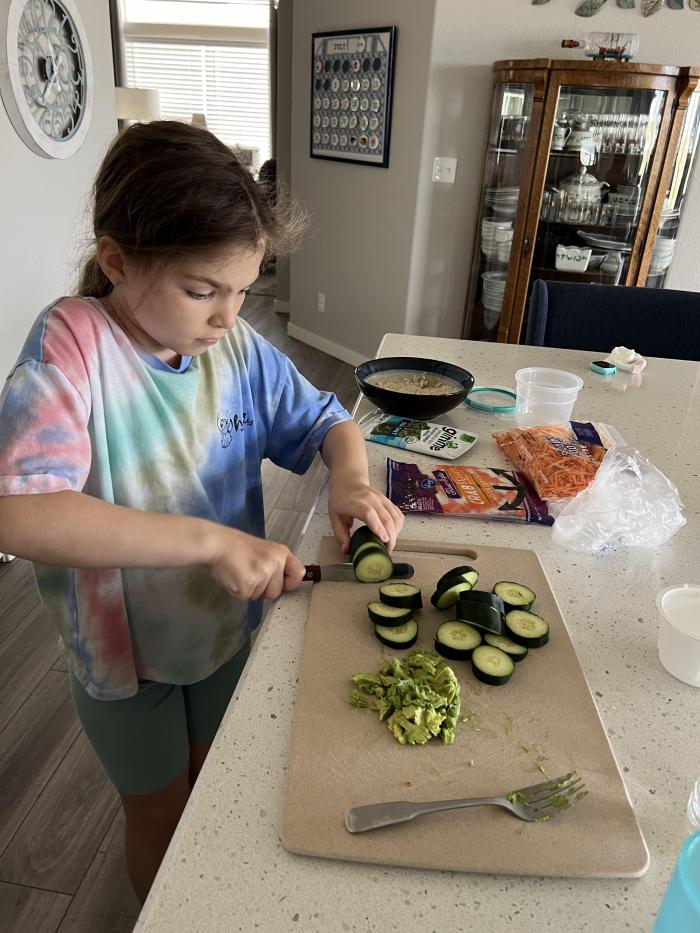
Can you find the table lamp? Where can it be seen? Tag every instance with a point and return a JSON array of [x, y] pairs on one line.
[[139, 104]]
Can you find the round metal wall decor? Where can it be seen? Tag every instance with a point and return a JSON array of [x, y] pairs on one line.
[[46, 77]]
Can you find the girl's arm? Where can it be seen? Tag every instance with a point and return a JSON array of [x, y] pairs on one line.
[[73, 529], [350, 496]]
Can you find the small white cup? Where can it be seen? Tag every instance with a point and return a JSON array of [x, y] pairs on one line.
[[679, 631]]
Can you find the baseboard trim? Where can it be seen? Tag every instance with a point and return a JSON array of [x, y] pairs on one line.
[[327, 346]]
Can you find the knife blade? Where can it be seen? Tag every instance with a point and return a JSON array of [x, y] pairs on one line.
[[344, 573]]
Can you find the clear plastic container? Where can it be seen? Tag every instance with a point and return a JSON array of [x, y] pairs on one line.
[[545, 396]]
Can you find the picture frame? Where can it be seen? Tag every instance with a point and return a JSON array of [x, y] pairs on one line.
[[352, 85]]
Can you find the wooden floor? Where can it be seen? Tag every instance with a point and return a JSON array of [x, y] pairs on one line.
[[61, 862]]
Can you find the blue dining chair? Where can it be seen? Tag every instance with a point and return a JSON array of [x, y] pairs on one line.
[[654, 322]]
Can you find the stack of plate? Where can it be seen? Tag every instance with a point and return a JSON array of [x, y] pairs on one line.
[[493, 287], [502, 201], [662, 255], [492, 235]]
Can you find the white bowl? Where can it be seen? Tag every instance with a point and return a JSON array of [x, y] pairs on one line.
[[679, 631], [572, 258]]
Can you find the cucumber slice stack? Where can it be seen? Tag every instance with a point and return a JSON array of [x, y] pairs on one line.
[[371, 561], [494, 630], [392, 615], [452, 584]]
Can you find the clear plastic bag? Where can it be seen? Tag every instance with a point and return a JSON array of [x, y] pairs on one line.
[[629, 504]]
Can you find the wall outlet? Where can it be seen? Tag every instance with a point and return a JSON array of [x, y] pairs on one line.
[[444, 170], [320, 303]]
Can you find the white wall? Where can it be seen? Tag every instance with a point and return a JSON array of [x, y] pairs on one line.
[[358, 252], [43, 202], [448, 117]]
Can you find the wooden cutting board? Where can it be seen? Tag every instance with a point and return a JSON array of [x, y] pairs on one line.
[[544, 719]]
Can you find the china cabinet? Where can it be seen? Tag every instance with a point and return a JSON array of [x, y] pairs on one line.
[[585, 176]]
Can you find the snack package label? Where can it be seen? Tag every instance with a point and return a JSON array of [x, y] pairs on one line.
[[475, 492], [424, 437]]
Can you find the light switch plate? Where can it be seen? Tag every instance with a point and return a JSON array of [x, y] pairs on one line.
[[444, 169]]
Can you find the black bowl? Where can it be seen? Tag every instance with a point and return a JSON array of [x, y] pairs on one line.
[[410, 405]]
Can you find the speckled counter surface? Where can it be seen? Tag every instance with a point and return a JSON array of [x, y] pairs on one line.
[[226, 870]]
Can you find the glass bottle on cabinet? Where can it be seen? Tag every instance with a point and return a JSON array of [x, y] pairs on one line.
[[579, 194]]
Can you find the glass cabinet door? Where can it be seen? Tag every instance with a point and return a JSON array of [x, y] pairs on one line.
[[667, 233], [509, 134], [601, 152]]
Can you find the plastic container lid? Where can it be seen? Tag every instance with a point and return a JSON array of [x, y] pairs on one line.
[[492, 399]]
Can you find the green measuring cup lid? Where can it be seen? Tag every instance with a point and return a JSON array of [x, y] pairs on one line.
[[492, 399]]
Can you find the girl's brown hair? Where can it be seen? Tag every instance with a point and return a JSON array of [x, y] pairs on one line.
[[169, 190]]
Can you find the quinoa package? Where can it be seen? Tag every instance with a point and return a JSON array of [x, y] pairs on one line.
[[474, 492], [559, 460]]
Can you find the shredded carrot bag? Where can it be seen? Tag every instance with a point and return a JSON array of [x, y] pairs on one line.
[[559, 460]]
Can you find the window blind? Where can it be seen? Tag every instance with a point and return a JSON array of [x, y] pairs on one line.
[[229, 84]]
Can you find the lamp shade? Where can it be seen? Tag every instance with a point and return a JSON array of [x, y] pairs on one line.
[[137, 103]]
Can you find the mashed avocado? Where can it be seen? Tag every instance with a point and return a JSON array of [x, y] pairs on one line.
[[417, 696]]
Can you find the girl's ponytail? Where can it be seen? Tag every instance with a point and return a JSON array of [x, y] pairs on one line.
[[93, 283]]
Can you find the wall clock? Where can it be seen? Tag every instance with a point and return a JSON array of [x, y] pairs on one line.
[[46, 77]]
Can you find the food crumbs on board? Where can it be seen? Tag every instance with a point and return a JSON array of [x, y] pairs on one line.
[[408, 783], [471, 762]]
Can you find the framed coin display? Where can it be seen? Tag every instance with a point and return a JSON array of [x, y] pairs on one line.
[[352, 75]]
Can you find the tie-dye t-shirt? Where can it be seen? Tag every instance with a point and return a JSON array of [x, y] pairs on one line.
[[84, 409]]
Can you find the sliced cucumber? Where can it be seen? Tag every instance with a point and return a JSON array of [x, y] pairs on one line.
[[480, 615], [444, 598], [465, 573], [514, 595], [481, 596], [526, 628], [374, 565], [392, 616], [360, 536], [401, 636], [516, 652], [456, 640], [491, 665], [404, 595]]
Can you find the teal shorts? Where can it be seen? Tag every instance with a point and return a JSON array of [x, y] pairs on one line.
[[144, 740]]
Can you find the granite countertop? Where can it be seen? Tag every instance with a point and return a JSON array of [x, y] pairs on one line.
[[226, 869]]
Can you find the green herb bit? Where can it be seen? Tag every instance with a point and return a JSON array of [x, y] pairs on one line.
[[356, 699]]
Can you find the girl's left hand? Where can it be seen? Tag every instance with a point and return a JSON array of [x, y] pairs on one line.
[[352, 499]]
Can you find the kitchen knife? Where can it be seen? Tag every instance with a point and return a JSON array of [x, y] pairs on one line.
[[344, 573]]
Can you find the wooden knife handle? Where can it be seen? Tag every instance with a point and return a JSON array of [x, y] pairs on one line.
[[313, 573]]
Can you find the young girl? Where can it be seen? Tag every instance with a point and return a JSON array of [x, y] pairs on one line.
[[132, 429]]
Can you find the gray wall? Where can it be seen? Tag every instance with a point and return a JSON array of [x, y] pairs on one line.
[[414, 258], [358, 252], [43, 202]]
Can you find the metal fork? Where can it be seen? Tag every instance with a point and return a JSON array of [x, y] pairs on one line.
[[537, 802]]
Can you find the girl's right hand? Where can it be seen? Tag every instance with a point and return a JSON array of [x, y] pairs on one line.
[[252, 568]]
